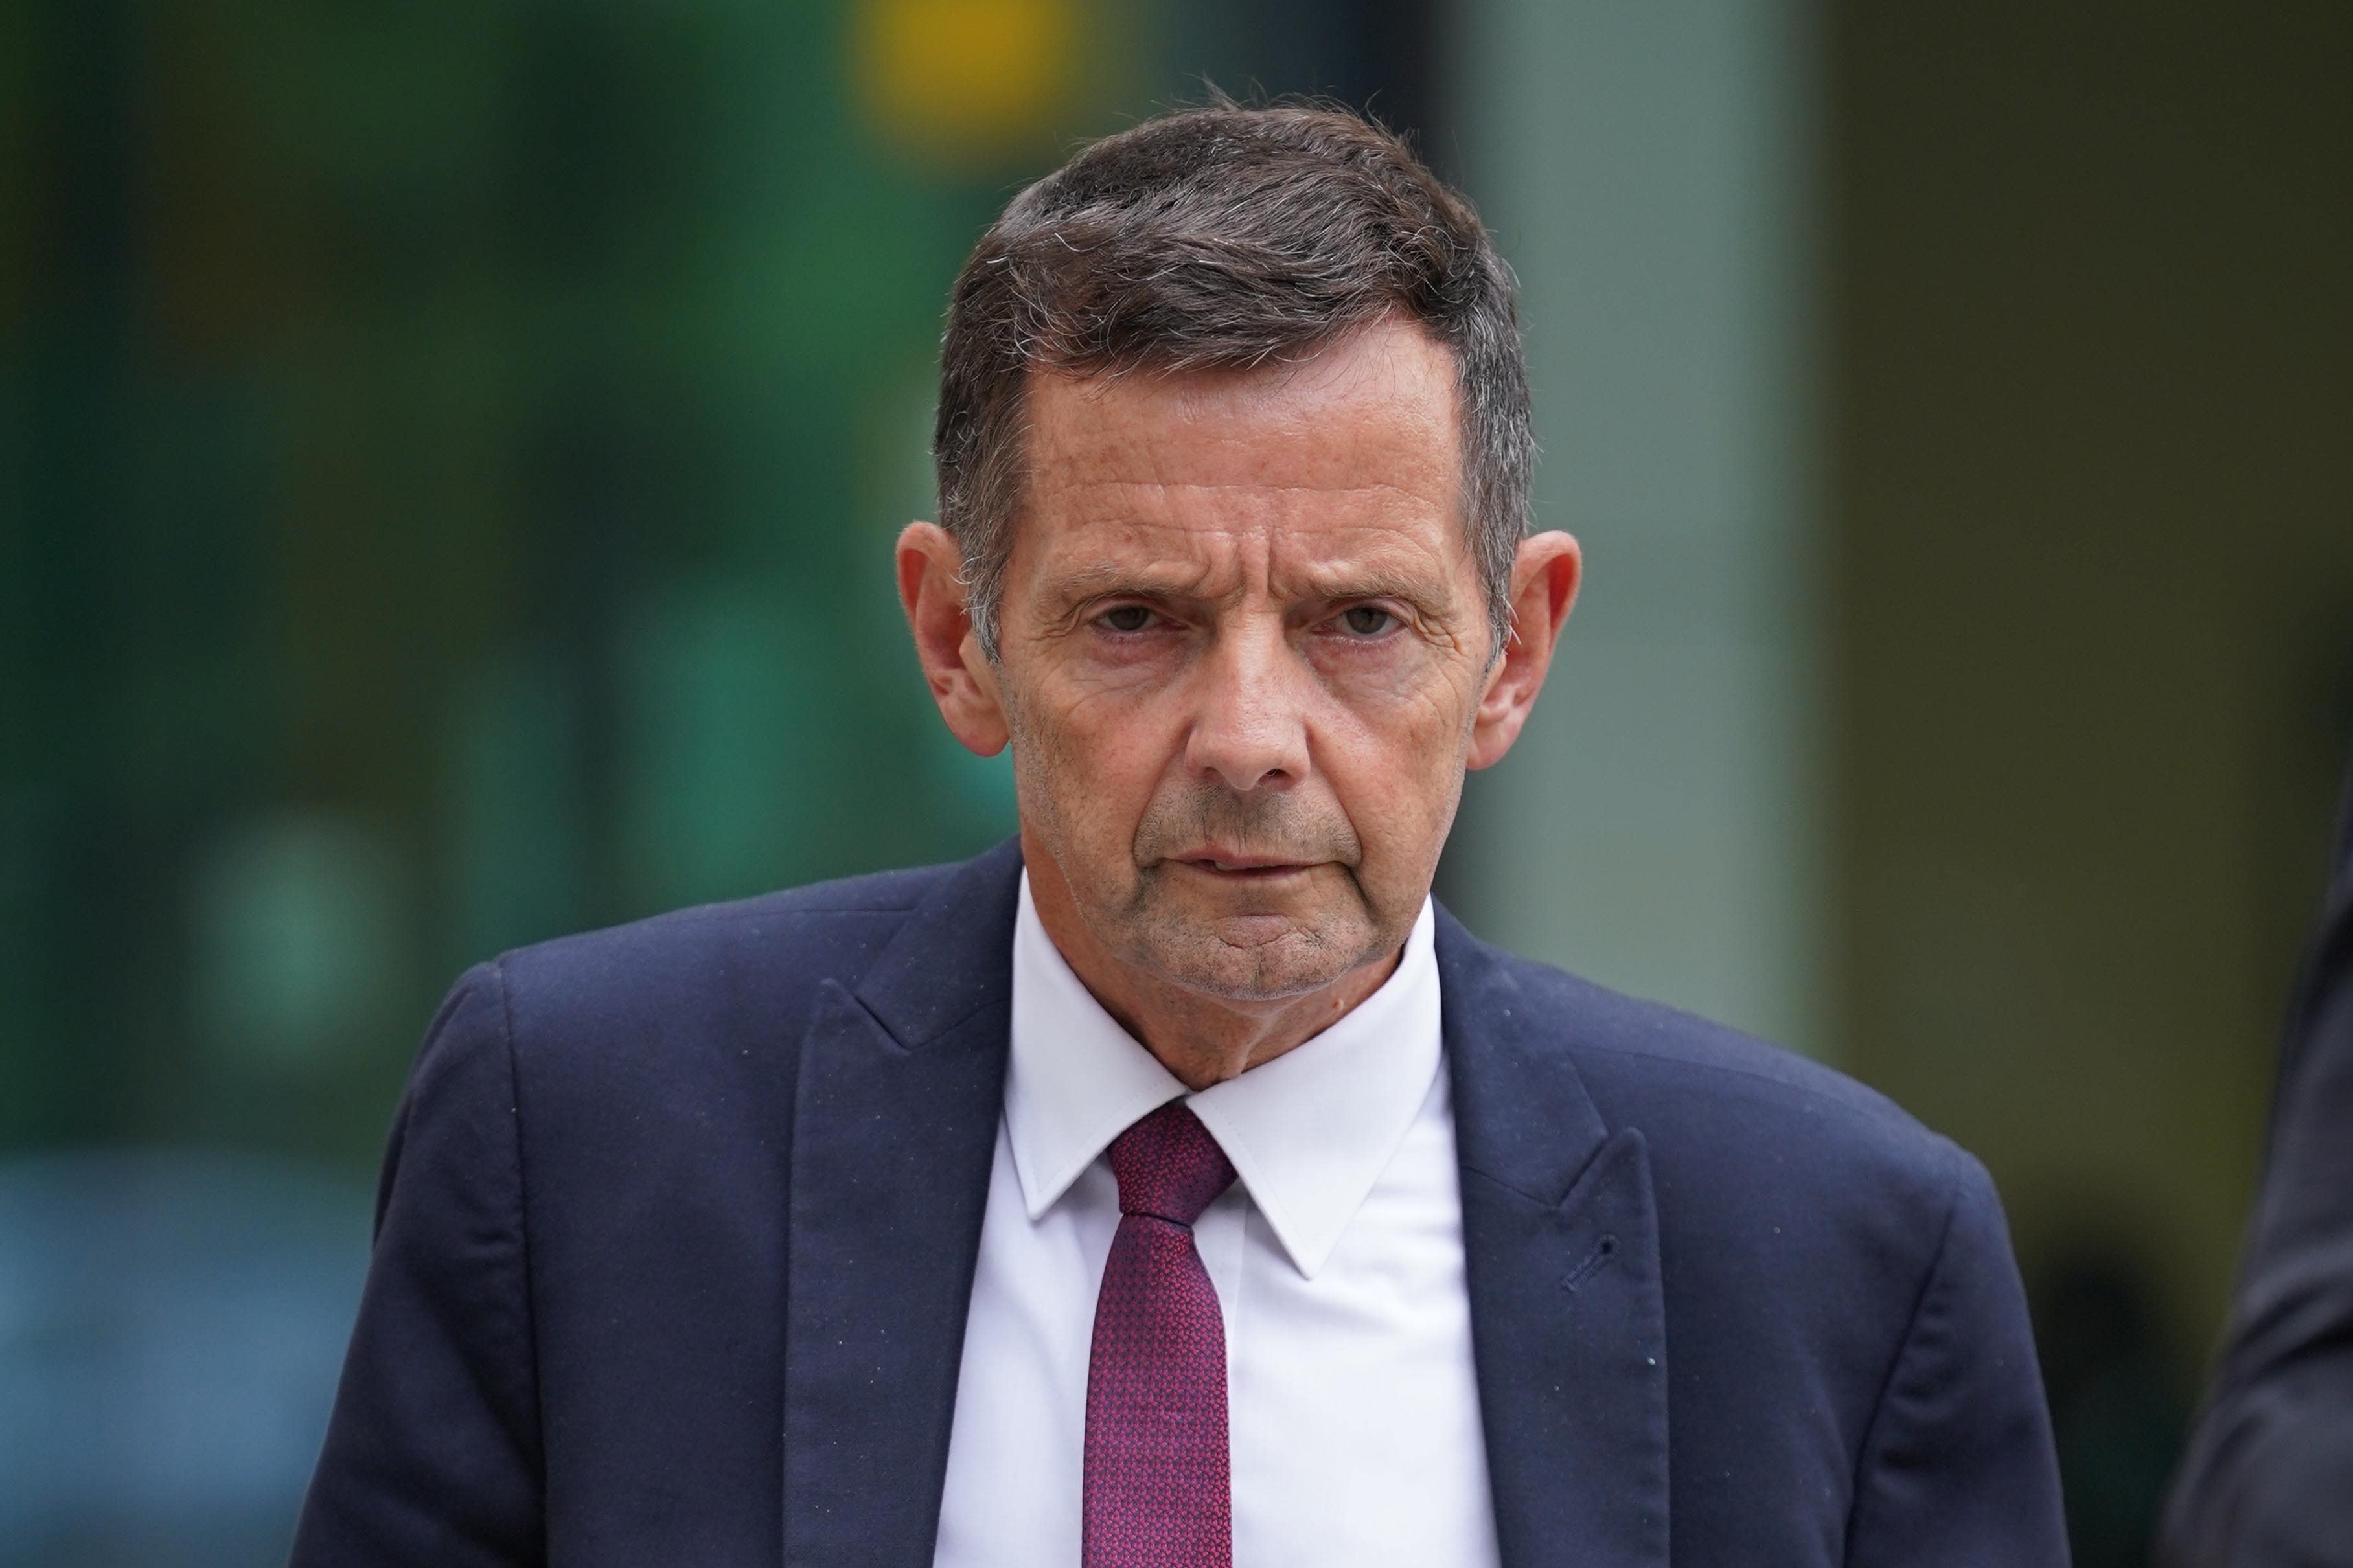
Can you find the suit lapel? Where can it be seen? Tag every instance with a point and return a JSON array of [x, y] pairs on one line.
[[1568, 1322], [900, 1088], [894, 1130]]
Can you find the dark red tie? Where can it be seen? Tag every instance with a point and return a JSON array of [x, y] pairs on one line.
[[1159, 1492]]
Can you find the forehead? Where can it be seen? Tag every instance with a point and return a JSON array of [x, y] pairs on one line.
[[1358, 439]]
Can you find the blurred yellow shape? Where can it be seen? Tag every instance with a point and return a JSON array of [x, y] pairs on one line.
[[963, 77]]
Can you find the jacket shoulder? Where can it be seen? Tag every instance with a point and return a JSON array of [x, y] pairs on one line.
[[1722, 1108], [823, 930], [692, 983]]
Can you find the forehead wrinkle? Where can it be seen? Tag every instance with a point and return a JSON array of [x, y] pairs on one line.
[[1368, 539], [1131, 506], [1331, 456], [1352, 487], [1339, 475], [1245, 449]]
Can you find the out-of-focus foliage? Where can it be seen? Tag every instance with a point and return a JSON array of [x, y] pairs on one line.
[[458, 453]]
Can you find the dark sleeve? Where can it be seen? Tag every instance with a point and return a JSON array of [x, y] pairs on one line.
[[1957, 1468], [2268, 1478], [432, 1455]]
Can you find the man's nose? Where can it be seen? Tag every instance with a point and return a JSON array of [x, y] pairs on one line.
[[1250, 730]]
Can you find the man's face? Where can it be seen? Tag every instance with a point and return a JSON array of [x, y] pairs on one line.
[[1242, 644]]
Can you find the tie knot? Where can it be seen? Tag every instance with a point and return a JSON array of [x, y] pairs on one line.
[[1170, 1166]]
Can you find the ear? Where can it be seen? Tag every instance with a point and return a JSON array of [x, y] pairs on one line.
[[963, 681], [1544, 585]]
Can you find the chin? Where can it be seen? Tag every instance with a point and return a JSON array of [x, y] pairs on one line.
[[1239, 959]]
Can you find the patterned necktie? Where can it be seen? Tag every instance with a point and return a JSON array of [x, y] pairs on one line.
[[1159, 1492]]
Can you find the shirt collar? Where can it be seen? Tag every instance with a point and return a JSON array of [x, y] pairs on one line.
[[1308, 1132]]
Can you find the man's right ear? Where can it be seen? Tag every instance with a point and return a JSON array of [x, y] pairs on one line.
[[963, 681]]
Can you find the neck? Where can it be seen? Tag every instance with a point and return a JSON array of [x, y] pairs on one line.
[[1200, 1038]]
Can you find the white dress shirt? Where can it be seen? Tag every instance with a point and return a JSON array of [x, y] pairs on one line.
[[1337, 1256]]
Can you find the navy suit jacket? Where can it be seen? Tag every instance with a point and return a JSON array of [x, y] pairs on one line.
[[678, 1223]]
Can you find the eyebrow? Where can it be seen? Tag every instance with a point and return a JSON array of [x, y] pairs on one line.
[[1086, 582], [1373, 581], [1377, 583]]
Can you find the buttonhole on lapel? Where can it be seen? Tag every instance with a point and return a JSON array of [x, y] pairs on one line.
[[1595, 1262]]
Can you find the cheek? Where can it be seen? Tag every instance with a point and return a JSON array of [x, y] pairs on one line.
[[1396, 741], [1406, 684], [1395, 793], [1413, 714], [1091, 760]]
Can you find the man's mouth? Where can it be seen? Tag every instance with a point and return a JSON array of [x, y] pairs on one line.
[[1230, 863]]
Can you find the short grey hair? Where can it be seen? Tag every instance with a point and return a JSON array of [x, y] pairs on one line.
[[1226, 237]]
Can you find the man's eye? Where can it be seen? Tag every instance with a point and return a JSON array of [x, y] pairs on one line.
[[1126, 619], [1366, 620]]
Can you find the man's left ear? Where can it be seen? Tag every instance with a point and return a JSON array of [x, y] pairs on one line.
[[1545, 577]]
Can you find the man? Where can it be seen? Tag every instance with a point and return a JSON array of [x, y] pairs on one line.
[[2268, 1479], [1177, 1185]]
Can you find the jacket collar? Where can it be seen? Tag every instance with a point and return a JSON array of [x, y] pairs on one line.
[[948, 963], [899, 1093], [894, 1126], [1561, 1243]]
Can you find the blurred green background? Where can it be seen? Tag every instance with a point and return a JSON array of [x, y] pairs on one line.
[[448, 456]]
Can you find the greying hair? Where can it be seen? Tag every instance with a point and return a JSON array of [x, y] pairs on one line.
[[1225, 237]]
